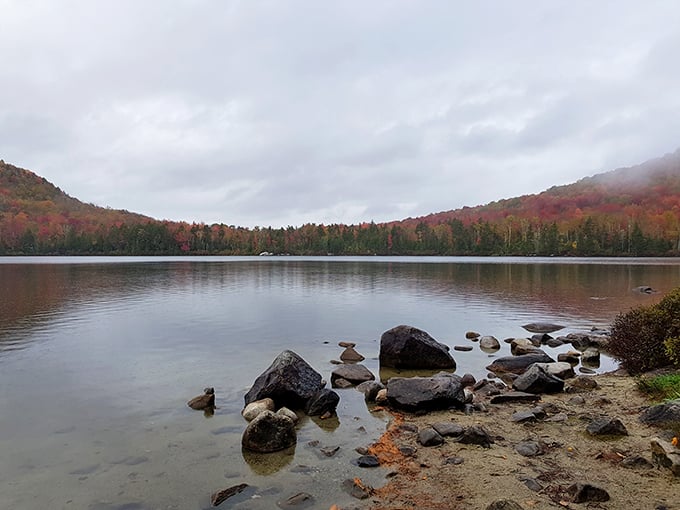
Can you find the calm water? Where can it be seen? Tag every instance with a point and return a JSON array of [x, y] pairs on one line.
[[99, 356]]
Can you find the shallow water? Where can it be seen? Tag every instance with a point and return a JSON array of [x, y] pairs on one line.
[[98, 357]]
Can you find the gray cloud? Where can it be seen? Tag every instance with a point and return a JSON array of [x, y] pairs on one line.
[[281, 113]]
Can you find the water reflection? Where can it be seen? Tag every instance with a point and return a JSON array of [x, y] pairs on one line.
[[268, 463]]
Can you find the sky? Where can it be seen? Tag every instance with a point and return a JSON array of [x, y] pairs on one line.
[[285, 112]]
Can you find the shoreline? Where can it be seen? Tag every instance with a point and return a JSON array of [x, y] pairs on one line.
[[470, 477]]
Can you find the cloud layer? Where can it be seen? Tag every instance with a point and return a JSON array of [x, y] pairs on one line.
[[282, 113]]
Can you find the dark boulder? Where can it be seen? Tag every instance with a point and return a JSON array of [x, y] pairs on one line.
[[289, 381], [476, 435], [325, 401], [409, 347], [538, 380], [426, 393], [269, 432], [518, 364]]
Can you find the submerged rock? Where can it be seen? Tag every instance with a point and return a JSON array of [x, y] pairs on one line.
[[542, 327], [203, 402], [269, 432], [220, 497], [325, 401], [355, 374]]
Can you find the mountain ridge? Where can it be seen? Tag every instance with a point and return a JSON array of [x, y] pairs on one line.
[[627, 211]]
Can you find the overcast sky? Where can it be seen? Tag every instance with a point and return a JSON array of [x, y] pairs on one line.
[[289, 112]]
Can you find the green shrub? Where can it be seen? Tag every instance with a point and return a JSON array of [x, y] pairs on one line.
[[661, 387]]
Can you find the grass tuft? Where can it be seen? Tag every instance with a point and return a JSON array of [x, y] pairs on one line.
[[660, 387]]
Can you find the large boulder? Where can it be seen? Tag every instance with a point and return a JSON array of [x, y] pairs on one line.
[[289, 381], [518, 364], [269, 432], [441, 391], [409, 347]]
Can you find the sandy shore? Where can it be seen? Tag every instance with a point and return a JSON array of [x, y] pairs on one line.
[[459, 476]]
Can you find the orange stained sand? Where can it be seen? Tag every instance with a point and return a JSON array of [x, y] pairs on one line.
[[384, 448], [674, 441]]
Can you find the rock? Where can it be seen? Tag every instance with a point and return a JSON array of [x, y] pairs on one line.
[[347, 345], [530, 448], [349, 355], [662, 415], [569, 357], [381, 396], [324, 401], [578, 400], [269, 432], [644, 289], [428, 436], [220, 497], [582, 383], [584, 493], [203, 402], [409, 347], [289, 381], [342, 384], [252, 410], [560, 369], [540, 339], [579, 341], [636, 461], [468, 380], [514, 396], [532, 484], [356, 374], [523, 417], [370, 389], [489, 343], [555, 342], [284, 411], [504, 504], [471, 335], [476, 435], [356, 489], [520, 346], [664, 454], [425, 393], [448, 429], [591, 356], [558, 418], [606, 427], [586, 370], [518, 364], [329, 451], [542, 327], [368, 461], [462, 348], [299, 500], [537, 380], [456, 461]]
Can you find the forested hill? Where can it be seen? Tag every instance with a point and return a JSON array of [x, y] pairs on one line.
[[626, 212]]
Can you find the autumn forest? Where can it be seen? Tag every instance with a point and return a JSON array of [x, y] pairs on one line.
[[626, 212]]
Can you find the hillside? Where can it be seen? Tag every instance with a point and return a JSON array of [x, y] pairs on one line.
[[626, 212]]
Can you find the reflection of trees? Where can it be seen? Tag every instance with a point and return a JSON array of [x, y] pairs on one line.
[[34, 294]]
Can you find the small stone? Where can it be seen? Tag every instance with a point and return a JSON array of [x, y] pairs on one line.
[[462, 348], [578, 400], [558, 418], [203, 402], [347, 345], [529, 448], [253, 410], [329, 451], [429, 437], [220, 497], [532, 484], [665, 454], [523, 417], [539, 412], [454, 460], [356, 489], [584, 493], [504, 504], [476, 435], [582, 383], [381, 396], [489, 343], [607, 427], [514, 396], [448, 429], [636, 461], [290, 414], [351, 356], [407, 451], [299, 500], [368, 461], [468, 380], [471, 335], [342, 384]]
